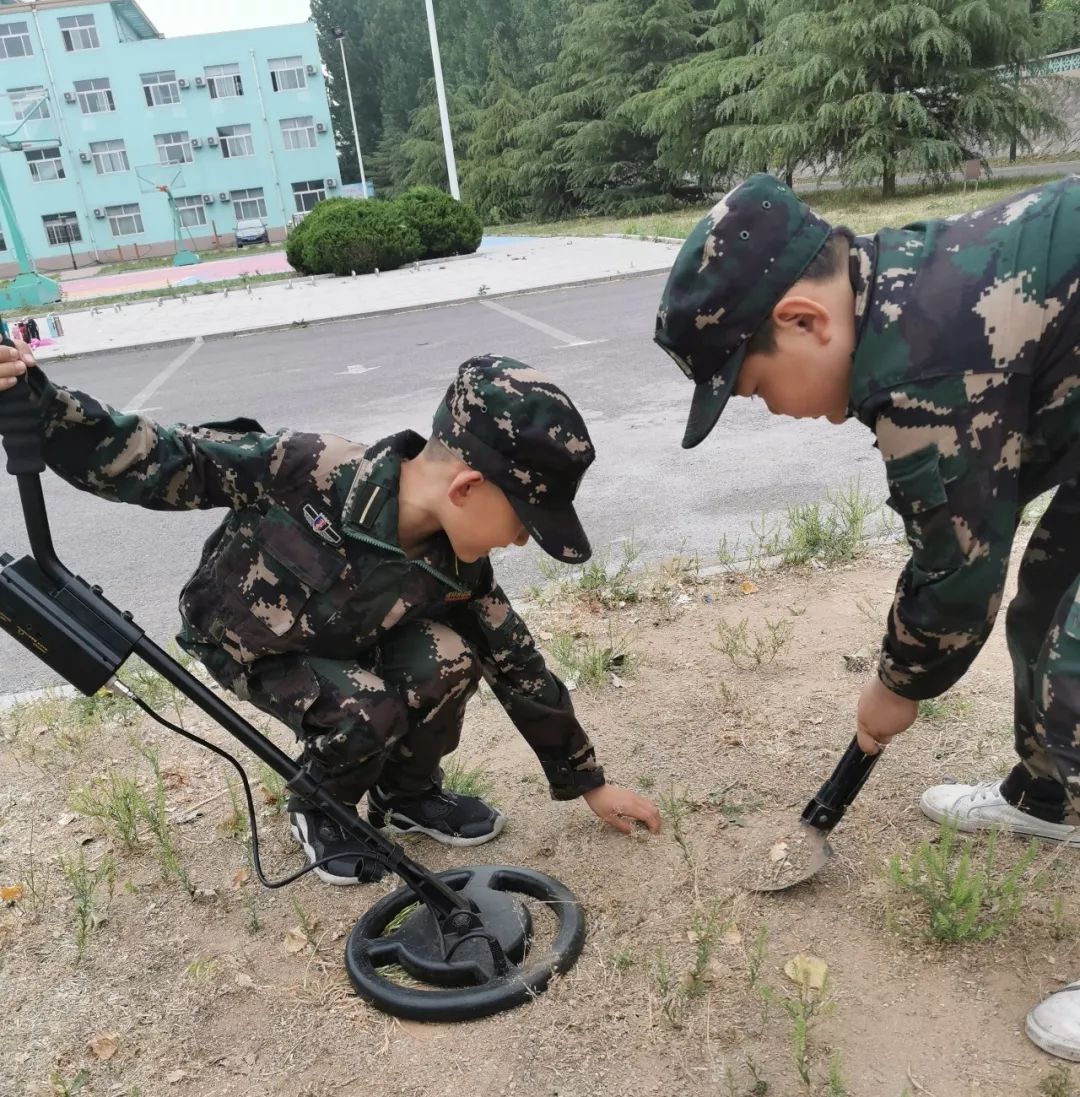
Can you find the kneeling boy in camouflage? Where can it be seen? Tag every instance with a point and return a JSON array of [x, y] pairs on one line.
[[349, 594], [957, 343]]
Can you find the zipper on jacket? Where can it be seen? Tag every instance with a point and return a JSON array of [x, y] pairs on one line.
[[374, 541]]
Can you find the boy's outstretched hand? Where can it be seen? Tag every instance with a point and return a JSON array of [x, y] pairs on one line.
[[881, 715], [14, 362], [618, 806]]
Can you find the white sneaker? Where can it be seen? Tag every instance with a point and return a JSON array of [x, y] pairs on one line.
[[1054, 1024], [982, 807]]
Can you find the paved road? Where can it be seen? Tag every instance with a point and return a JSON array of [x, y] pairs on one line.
[[365, 379]]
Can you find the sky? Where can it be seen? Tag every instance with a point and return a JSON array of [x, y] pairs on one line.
[[176, 17]]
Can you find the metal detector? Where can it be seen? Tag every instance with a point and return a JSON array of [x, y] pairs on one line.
[[464, 937]]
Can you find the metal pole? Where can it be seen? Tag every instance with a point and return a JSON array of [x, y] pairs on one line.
[[352, 111], [448, 141]]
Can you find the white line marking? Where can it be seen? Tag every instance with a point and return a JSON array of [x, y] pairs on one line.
[[142, 399], [356, 371], [563, 336]]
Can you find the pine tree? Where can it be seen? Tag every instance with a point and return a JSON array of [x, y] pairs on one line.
[[583, 149]]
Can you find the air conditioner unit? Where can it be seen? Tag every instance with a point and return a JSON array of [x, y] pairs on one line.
[[196, 142], [224, 195], [99, 213], [208, 199], [200, 82], [84, 157], [212, 142], [182, 82], [311, 70], [331, 184], [320, 127], [69, 97]]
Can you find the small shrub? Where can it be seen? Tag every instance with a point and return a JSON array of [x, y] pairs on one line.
[[963, 900], [446, 226], [748, 648], [345, 235]]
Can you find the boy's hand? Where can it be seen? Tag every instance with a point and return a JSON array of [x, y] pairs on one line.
[[14, 362], [881, 715], [618, 806]]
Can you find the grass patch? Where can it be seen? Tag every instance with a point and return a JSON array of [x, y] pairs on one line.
[[605, 581], [465, 780], [160, 262], [749, 648], [171, 293], [87, 883], [1058, 1083], [860, 208], [962, 898], [585, 661], [117, 803]]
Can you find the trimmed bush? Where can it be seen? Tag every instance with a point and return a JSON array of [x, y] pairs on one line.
[[446, 227], [343, 235]]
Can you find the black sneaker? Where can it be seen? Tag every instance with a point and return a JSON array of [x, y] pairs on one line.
[[445, 816], [322, 837]]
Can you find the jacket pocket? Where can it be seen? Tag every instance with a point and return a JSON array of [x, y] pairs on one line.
[[917, 493], [258, 585]]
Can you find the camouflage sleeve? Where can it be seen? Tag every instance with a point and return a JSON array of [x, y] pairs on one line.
[[127, 458], [535, 699], [952, 450]]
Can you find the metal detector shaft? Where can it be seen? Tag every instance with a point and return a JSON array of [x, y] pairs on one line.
[[835, 796]]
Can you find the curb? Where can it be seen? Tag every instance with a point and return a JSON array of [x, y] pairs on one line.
[[370, 314]]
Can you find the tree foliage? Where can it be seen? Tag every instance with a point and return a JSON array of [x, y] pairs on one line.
[[561, 106]]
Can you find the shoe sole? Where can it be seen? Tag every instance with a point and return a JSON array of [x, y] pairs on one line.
[[309, 850], [1049, 1043], [440, 836], [966, 825]]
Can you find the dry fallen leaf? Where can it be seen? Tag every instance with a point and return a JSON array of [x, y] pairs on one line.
[[807, 971], [103, 1046], [241, 877], [715, 972], [12, 894], [295, 941], [175, 1076], [732, 935], [748, 587], [778, 852]]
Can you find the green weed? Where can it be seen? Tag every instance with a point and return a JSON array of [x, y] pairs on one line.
[[85, 882], [585, 661], [750, 648], [963, 900], [466, 780], [1059, 1083], [272, 785], [155, 815], [118, 803]]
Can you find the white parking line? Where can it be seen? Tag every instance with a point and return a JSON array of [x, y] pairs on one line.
[[141, 399], [564, 337]]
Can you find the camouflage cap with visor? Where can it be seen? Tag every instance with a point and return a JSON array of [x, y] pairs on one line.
[[521, 431], [737, 263]]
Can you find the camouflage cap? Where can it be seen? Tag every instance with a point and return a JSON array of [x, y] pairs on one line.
[[510, 423], [738, 262]]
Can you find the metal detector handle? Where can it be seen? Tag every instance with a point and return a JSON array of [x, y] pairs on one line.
[[20, 424], [835, 796]]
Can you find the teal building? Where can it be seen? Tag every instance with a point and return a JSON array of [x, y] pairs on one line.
[[103, 110]]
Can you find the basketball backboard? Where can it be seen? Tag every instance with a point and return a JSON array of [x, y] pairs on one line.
[[28, 119]]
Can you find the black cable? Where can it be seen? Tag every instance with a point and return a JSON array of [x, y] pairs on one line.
[[375, 855]]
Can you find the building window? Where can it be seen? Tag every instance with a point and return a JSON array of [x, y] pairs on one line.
[[308, 195], [62, 228], [15, 40], [79, 32], [298, 133], [29, 102], [3, 241], [249, 205], [173, 148], [45, 165], [287, 74], [192, 211], [125, 220], [160, 88], [236, 141], [109, 157], [224, 81], [95, 96]]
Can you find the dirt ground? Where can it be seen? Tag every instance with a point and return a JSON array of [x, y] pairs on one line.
[[681, 989]]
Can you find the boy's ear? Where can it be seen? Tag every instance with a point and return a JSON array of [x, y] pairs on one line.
[[802, 315], [463, 485]]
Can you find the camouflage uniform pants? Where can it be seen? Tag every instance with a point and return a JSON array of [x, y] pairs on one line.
[[1043, 632], [390, 718]]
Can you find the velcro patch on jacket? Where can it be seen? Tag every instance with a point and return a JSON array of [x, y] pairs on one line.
[[458, 596]]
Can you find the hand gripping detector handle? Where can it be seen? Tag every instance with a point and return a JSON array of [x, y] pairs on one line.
[[835, 796], [20, 424]]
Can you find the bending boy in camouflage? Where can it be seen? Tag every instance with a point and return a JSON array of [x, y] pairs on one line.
[[958, 344], [349, 592]]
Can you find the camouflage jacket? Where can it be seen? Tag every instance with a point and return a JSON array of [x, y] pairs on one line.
[[307, 561], [967, 369]]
